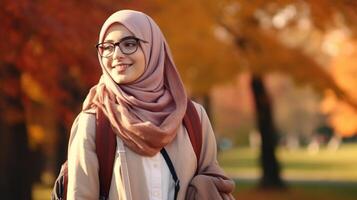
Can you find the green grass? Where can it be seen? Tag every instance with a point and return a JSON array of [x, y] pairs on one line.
[[328, 175], [340, 165], [306, 190]]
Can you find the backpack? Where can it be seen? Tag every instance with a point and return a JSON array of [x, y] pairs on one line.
[[105, 142]]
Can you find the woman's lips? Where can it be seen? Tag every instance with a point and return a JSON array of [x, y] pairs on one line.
[[122, 67]]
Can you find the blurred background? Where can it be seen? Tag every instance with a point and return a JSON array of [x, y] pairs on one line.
[[277, 78]]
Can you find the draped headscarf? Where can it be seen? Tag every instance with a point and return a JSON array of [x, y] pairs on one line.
[[147, 112]]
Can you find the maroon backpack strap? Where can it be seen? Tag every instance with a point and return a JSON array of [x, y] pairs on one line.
[[105, 142], [193, 125]]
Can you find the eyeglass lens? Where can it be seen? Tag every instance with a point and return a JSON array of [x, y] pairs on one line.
[[127, 46]]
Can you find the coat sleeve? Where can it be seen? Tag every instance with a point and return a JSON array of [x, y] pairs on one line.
[[83, 180], [211, 181]]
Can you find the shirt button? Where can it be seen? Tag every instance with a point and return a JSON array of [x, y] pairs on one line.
[[156, 193], [156, 165]]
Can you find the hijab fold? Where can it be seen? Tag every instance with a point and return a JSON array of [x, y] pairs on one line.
[[145, 114]]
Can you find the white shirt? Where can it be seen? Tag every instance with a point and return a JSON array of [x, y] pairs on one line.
[[158, 178]]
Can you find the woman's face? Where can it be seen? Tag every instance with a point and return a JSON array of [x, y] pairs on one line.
[[123, 68]]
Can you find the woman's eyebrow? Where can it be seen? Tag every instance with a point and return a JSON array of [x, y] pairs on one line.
[[108, 40], [125, 37]]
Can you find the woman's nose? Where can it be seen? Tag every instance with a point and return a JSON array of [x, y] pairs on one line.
[[117, 52]]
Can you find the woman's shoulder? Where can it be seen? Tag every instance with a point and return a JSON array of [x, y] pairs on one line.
[[85, 122], [205, 121], [83, 127], [200, 110], [88, 113]]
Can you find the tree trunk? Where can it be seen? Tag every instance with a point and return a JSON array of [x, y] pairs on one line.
[[270, 166], [73, 104], [62, 145], [16, 161]]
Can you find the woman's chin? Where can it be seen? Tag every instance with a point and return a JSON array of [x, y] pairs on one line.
[[121, 78]]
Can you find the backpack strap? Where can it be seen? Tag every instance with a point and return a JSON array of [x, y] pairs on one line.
[[193, 125], [105, 142]]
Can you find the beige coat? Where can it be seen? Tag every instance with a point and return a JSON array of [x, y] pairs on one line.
[[83, 179]]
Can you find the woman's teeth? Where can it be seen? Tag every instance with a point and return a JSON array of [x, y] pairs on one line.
[[123, 67]]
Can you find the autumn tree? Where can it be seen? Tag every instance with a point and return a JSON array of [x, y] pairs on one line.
[[48, 62], [265, 35], [195, 41], [16, 157], [213, 40], [341, 115]]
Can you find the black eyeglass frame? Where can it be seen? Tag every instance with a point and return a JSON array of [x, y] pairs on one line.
[[118, 44]]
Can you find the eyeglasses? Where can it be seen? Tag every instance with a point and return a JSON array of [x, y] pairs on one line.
[[127, 46]]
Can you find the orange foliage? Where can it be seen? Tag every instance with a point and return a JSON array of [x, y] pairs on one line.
[[342, 116], [286, 36], [201, 57], [52, 43]]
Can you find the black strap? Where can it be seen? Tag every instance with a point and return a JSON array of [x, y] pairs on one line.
[[172, 171]]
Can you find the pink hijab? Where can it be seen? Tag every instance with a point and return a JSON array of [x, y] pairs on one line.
[[146, 113]]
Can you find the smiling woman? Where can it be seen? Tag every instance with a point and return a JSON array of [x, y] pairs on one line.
[[121, 54], [163, 147]]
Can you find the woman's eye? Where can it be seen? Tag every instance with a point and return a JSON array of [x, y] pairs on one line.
[[130, 43], [107, 47]]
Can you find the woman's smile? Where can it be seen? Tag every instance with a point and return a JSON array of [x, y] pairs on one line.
[[121, 68]]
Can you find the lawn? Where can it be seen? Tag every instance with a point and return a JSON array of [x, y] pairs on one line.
[[324, 175], [307, 190]]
